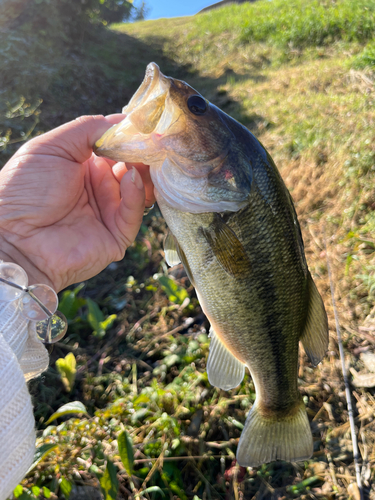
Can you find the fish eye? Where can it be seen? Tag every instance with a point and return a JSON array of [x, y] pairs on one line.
[[197, 104]]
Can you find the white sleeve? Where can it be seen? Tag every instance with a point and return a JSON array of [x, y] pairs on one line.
[[22, 357]]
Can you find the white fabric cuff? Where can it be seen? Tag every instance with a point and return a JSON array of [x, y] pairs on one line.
[[22, 357]]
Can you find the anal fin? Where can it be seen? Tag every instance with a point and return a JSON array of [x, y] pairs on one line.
[[223, 369], [265, 440], [315, 335]]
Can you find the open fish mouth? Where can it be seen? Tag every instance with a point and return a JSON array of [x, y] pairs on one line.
[[186, 141], [148, 103], [149, 113], [149, 100]]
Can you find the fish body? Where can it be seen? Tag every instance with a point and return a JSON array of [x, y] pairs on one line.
[[234, 227]]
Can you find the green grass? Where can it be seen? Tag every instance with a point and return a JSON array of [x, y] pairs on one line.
[[366, 59], [296, 23]]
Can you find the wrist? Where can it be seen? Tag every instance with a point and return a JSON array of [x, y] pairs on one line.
[[11, 253]]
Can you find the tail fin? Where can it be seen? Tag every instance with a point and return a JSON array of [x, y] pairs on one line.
[[265, 440]]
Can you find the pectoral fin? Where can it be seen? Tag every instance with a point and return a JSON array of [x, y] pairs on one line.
[[315, 335], [170, 250], [227, 248], [223, 369], [174, 255]]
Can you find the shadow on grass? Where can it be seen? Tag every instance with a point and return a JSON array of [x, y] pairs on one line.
[[109, 70], [98, 77]]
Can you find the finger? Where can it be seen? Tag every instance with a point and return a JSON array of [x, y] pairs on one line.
[[144, 170], [73, 140], [119, 170], [111, 163], [130, 211], [114, 117], [102, 189]]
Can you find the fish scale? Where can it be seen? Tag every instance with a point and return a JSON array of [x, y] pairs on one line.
[[233, 226], [262, 309]]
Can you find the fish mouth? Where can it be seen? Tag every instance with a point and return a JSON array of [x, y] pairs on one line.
[[145, 115], [161, 131]]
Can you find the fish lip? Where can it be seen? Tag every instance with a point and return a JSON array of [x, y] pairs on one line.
[[154, 85], [152, 76]]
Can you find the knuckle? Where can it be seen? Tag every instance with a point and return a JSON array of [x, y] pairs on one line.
[[85, 119]]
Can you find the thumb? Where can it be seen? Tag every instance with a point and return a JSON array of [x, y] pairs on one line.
[[130, 211], [72, 141]]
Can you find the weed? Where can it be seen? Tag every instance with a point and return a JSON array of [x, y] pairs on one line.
[[366, 58]]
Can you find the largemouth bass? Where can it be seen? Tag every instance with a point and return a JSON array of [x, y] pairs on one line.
[[233, 226]]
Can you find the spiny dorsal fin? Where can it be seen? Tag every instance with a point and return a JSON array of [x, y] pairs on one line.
[[227, 248], [223, 369], [315, 335], [170, 250]]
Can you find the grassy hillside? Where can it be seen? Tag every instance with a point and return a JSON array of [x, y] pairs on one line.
[[300, 75]]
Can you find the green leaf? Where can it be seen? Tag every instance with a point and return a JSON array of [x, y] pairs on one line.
[[172, 359], [108, 322], [69, 303], [95, 315], [139, 414], [349, 260], [18, 490], [73, 407], [171, 474], [141, 399], [65, 487], [40, 453], [96, 319], [125, 447], [151, 489], [307, 483], [46, 492], [109, 482], [175, 488], [67, 370], [175, 293], [35, 490]]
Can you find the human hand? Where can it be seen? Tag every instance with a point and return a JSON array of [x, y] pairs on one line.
[[65, 214]]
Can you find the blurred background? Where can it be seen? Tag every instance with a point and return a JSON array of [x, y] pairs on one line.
[[142, 421]]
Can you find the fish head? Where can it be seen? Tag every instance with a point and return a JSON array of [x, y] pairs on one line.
[[196, 160]]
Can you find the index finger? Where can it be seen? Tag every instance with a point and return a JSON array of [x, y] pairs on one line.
[[72, 141]]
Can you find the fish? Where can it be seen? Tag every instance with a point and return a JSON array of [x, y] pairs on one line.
[[233, 225]]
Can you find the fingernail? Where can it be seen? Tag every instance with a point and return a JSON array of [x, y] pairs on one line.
[[136, 178]]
